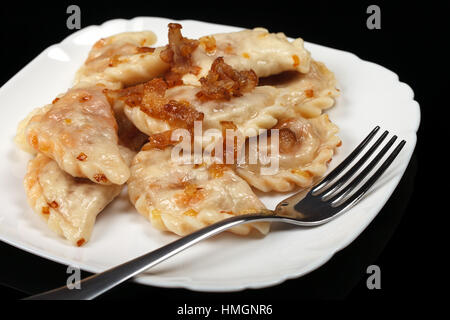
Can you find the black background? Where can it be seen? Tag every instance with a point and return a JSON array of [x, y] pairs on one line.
[[399, 240]]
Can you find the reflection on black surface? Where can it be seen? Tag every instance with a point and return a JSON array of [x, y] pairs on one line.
[[30, 274]]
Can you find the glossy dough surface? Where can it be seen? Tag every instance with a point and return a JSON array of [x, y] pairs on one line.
[[79, 132], [69, 205], [182, 198], [306, 146], [279, 97], [257, 49], [121, 60], [128, 92]]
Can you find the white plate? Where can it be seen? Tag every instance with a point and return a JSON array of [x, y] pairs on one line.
[[371, 95]]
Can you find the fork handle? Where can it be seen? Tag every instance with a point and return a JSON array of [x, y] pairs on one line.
[[97, 284]]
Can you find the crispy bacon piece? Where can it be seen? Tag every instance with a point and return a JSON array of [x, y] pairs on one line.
[[162, 140], [149, 97], [190, 196], [217, 170], [145, 50], [178, 54], [223, 82]]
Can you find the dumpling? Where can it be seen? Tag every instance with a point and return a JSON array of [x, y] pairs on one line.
[[309, 94], [129, 135], [79, 132], [21, 138], [154, 107], [252, 111], [182, 198], [121, 60], [263, 52], [305, 148], [229, 95], [148, 109], [69, 205]]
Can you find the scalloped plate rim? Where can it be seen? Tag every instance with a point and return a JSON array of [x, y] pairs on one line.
[[196, 285]]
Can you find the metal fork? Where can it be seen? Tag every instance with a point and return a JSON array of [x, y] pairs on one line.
[[314, 206]]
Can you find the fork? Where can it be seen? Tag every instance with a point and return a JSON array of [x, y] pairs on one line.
[[311, 207]]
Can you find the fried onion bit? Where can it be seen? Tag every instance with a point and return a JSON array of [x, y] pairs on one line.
[[223, 82]]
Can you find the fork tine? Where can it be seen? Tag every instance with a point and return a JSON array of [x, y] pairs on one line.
[[362, 190], [355, 167], [352, 185], [333, 174]]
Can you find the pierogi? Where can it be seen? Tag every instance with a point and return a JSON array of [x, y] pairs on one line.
[[116, 125], [121, 60], [305, 148], [182, 198], [79, 132], [263, 52], [69, 205], [279, 97]]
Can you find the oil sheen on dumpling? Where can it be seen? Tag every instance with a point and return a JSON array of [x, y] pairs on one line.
[[121, 60], [21, 138], [257, 107], [182, 198], [69, 205], [257, 49], [79, 132], [252, 111], [306, 146], [309, 94]]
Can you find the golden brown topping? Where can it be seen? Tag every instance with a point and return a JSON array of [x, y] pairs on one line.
[[152, 91], [309, 93], [228, 49], [149, 97], [199, 165], [55, 100], [68, 121], [160, 140], [223, 82], [145, 50], [34, 141], [45, 210], [191, 213], [82, 156], [100, 177], [190, 196], [246, 55], [303, 173], [217, 170], [100, 43], [80, 242], [208, 43], [178, 54], [227, 125], [296, 60], [53, 204], [114, 61], [180, 114]]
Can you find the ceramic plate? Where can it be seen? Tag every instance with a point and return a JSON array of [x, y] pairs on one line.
[[371, 95]]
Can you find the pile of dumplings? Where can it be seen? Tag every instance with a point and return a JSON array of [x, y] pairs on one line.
[[113, 128]]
